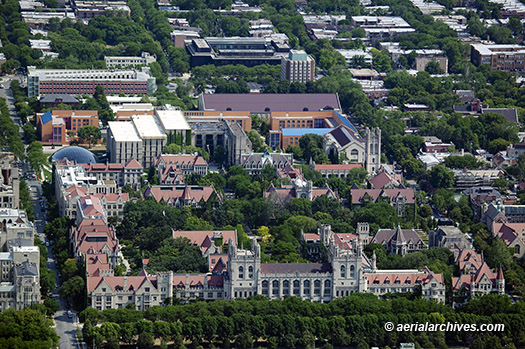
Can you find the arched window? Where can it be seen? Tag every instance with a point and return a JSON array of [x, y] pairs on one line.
[[317, 287], [343, 272], [297, 288], [517, 249], [352, 271], [267, 109], [265, 286], [306, 287], [327, 288], [275, 287], [250, 272], [286, 288], [241, 272]]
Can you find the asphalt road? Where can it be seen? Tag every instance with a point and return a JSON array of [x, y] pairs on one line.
[[6, 93], [66, 327]]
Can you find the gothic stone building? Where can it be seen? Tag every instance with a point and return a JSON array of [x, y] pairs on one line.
[[347, 142], [346, 271]]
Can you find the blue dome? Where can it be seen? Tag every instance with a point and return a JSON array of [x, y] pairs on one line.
[[78, 154]]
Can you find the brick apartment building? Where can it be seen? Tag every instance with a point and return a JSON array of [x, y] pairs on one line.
[[500, 57]]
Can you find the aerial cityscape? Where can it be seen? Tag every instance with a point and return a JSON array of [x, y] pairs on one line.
[[262, 174]]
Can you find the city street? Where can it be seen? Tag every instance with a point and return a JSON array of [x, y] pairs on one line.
[[6, 93], [66, 327]]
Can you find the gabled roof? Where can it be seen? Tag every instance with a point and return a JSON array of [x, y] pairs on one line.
[[199, 237], [388, 236], [117, 282], [132, 163], [181, 160], [91, 206], [220, 265], [403, 276], [113, 197], [344, 135], [171, 194], [375, 194], [383, 180], [510, 114], [46, 117]]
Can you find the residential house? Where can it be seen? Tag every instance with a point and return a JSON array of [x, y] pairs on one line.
[[399, 198], [479, 196], [399, 241]]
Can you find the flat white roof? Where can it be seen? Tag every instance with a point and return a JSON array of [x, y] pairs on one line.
[[118, 99], [172, 120], [124, 131], [147, 126], [503, 49]]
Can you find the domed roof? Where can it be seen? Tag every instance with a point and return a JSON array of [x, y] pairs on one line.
[[78, 154]]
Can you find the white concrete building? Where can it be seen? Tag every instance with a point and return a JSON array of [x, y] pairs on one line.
[[121, 61]]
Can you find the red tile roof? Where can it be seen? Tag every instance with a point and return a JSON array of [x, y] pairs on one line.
[[132, 163], [132, 282], [198, 237], [91, 206], [218, 263], [171, 193], [312, 237], [382, 180], [408, 278], [181, 160], [337, 167], [113, 197]]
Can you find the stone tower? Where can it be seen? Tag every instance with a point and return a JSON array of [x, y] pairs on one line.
[[500, 281], [244, 267], [373, 149], [363, 230]]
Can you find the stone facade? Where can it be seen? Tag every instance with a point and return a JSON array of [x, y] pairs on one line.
[[19, 261], [345, 271], [348, 144], [9, 181]]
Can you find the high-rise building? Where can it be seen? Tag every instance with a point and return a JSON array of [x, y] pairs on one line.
[[297, 67]]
